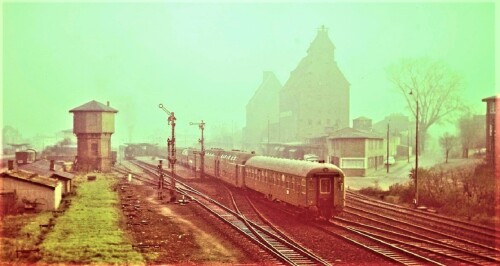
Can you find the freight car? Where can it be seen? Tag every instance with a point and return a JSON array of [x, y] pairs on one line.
[[316, 188]]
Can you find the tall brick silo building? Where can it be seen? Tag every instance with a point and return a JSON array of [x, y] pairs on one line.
[[315, 99]]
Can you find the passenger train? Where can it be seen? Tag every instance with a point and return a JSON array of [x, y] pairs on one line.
[[316, 188]]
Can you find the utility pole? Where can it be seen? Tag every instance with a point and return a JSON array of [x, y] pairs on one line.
[[416, 158], [387, 148], [171, 144], [202, 151], [416, 150]]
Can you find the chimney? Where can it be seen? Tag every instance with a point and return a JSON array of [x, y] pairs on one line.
[[107, 103], [51, 168], [10, 164]]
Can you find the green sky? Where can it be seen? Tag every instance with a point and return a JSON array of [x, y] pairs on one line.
[[204, 61]]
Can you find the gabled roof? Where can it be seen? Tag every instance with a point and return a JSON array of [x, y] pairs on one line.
[[318, 69], [362, 118], [93, 106], [43, 168], [30, 178], [351, 133]]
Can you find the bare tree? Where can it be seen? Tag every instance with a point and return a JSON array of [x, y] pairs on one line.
[[472, 135], [447, 142], [431, 83]]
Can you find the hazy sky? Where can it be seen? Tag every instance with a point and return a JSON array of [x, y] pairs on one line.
[[205, 60]]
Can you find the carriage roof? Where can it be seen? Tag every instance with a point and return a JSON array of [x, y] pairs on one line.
[[294, 167]]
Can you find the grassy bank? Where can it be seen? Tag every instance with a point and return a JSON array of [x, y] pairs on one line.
[[466, 192], [89, 231]]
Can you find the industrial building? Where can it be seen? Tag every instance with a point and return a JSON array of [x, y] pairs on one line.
[[313, 102]]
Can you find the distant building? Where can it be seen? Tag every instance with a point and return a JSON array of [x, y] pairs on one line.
[[355, 151], [362, 123], [316, 96], [492, 147], [262, 113], [93, 124], [401, 134]]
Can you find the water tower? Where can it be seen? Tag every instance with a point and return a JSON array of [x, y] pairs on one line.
[[93, 124]]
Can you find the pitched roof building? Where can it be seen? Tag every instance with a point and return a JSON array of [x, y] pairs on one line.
[[262, 111], [316, 96]]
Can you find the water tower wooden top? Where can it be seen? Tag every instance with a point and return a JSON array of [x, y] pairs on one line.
[[93, 117], [93, 106]]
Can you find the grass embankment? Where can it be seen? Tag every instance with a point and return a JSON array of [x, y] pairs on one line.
[[89, 231], [466, 192], [22, 232]]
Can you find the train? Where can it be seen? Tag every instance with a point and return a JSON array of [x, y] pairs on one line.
[[133, 150], [317, 189]]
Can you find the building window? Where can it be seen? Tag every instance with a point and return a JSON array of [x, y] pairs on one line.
[[492, 107], [353, 163]]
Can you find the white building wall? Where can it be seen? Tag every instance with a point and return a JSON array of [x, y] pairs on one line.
[[50, 198]]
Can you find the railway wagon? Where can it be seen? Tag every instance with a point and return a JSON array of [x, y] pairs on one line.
[[229, 166], [312, 186], [317, 188], [225, 165]]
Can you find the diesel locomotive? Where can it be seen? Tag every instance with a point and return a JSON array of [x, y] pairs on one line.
[[316, 188]]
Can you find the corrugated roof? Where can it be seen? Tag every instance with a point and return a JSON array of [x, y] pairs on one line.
[[288, 166], [43, 168], [93, 106], [351, 133], [30, 177]]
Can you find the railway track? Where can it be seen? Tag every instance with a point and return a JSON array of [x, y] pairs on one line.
[[393, 238], [283, 250], [425, 239], [484, 234], [296, 252]]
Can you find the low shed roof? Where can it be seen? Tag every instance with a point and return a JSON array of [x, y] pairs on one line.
[[43, 168], [30, 177]]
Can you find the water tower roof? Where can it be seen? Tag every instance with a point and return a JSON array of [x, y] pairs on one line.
[[93, 106]]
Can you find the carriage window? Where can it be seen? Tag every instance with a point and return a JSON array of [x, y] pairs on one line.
[[324, 185]]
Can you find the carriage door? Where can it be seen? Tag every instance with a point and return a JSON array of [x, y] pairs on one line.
[[324, 192]]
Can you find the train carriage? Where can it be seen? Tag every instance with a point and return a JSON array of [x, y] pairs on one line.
[[310, 185], [230, 165]]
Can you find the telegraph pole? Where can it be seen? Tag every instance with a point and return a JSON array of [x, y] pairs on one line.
[[387, 147], [171, 144], [416, 150], [202, 151], [416, 157]]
